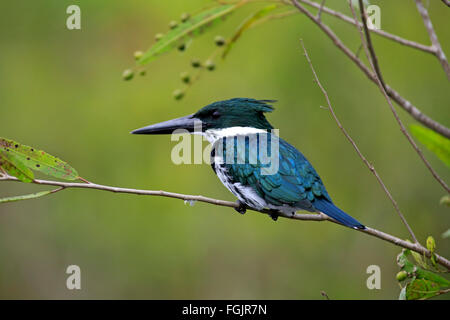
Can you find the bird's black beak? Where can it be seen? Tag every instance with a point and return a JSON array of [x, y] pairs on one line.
[[189, 123]]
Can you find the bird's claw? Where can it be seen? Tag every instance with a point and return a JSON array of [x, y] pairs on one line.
[[274, 215], [242, 208]]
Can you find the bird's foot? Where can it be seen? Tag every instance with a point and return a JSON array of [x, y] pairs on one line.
[[274, 215], [242, 207]]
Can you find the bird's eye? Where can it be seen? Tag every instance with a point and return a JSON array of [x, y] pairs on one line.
[[216, 114]]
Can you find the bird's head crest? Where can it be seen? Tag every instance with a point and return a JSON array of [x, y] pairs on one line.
[[237, 112]]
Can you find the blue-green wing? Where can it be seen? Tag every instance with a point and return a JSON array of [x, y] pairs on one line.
[[294, 183]]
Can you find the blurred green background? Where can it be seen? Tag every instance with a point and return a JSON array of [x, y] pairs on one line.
[[62, 91]]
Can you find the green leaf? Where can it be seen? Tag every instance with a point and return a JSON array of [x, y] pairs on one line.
[[436, 143], [15, 167], [421, 289], [418, 257], [431, 244], [37, 160], [190, 28], [25, 197], [248, 23], [417, 272]]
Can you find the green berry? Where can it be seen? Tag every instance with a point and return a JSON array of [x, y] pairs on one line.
[[127, 74], [182, 47], [220, 41], [158, 36], [402, 275], [185, 77], [142, 73], [209, 64], [185, 17], [178, 94], [138, 54], [173, 24], [196, 63]]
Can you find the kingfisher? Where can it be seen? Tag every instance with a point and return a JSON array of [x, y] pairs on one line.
[[262, 170]]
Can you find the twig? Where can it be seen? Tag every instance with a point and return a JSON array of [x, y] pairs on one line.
[[275, 16], [373, 60], [304, 217], [433, 37], [343, 17], [446, 2], [91, 185], [319, 13], [402, 102], [359, 50], [349, 138], [84, 180], [57, 189]]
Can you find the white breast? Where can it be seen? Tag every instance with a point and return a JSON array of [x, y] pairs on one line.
[[212, 135]]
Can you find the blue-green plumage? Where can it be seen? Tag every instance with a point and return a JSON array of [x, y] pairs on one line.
[[294, 186], [260, 169]]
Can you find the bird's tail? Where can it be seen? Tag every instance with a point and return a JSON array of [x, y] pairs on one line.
[[334, 212]]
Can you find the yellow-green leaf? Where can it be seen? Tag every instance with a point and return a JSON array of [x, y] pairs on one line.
[[417, 271], [431, 244], [248, 23], [38, 160], [190, 28], [436, 143], [26, 197], [418, 257], [421, 289], [13, 166]]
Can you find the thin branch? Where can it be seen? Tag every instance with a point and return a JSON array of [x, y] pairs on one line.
[[433, 37], [402, 102], [319, 13], [57, 190], [363, 158], [91, 185], [416, 113], [358, 51], [387, 35], [304, 217], [343, 17], [372, 76], [446, 2], [29, 196], [373, 60], [279, 15]]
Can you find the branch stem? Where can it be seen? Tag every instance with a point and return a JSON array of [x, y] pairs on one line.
[[373, 60], [406, 105], [402, 102], [387, 35], [304, 217], [440, 55], [358, 151]]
